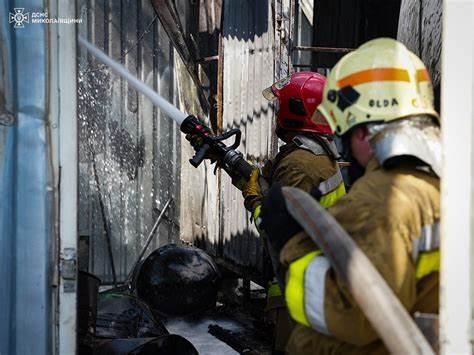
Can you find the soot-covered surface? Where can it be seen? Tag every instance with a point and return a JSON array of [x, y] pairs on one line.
[[240, 326], [196, 331]]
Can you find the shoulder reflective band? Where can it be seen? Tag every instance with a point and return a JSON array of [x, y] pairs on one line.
[[425, 250], [331, 183], [332, 190], [427, 241], [294, 290], [331, 198], [427, 263]]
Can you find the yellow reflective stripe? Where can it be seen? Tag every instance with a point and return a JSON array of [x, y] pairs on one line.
[[256, 218], [331, 198], [294, 291], [331, 183], [427, 263], [256, 212], [274, 290], [315, 293]]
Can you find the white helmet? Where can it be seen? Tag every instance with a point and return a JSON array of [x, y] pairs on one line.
[[381, 81]]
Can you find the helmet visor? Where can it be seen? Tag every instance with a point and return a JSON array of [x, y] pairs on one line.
[[269, 94]]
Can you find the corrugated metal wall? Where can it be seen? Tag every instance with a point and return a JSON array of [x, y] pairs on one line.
[[248, 52], [135, 151], [420, 29]]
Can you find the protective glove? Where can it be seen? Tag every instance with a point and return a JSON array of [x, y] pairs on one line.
[[252, 192], [277, 222]]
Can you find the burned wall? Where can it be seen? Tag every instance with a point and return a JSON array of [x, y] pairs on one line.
[[215, 218], [248, 68], [420, 29], [128, 151]]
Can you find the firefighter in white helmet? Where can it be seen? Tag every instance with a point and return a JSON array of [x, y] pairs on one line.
[[379, 99]]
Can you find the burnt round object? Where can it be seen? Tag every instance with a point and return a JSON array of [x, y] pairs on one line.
[[122, 315], [178, 280]]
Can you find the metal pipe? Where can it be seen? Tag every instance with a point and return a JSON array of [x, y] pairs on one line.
[[207, 59], [170, 110], [104, 221], [148, 241], [323, 49], [382, 308]]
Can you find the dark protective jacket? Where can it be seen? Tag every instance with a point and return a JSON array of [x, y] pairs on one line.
[[393, 216], [305, 165]]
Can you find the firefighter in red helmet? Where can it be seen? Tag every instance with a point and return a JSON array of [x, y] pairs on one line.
[[298, 96], [308, 160]]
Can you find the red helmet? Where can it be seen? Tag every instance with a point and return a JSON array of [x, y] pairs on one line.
[[298, 96]]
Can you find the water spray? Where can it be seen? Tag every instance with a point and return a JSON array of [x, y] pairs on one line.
[[227, 157], [157, 100]]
